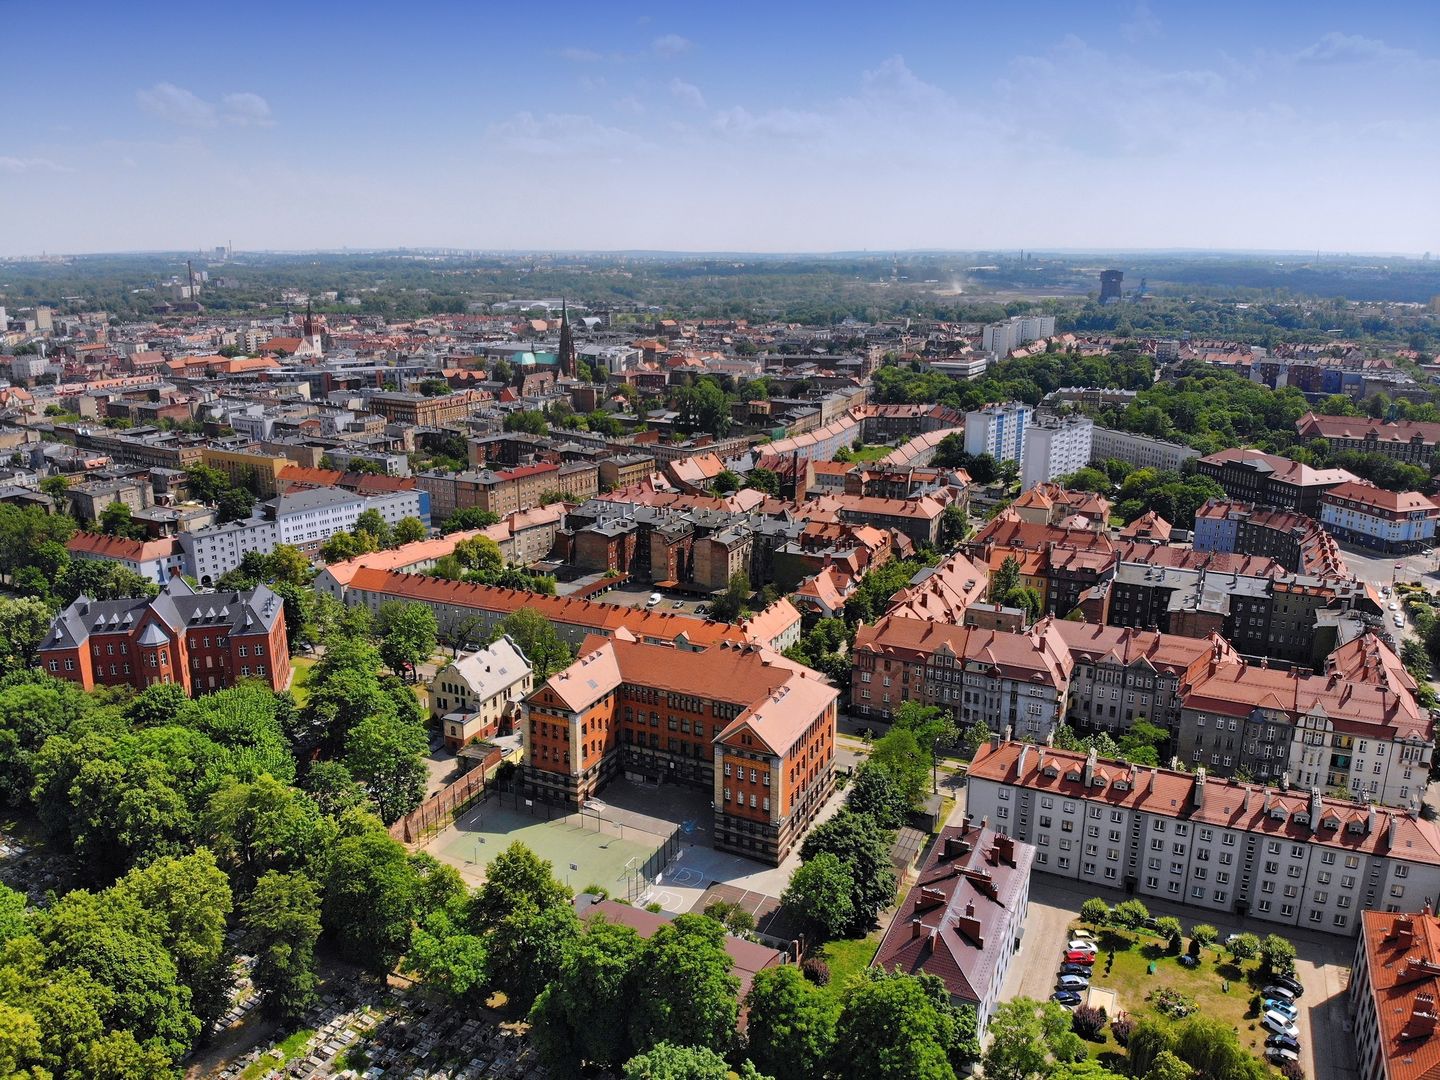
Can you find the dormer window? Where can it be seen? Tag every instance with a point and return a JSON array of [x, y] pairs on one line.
[[1278, 813], [1073, 777], [1330, 823], [1302, 819], [1050, 771]]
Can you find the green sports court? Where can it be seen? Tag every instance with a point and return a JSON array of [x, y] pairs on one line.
[[583, 849]]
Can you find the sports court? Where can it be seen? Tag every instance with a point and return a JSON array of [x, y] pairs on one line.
[[584, 849]]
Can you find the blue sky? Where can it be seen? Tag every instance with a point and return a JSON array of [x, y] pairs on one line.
[[736, 126]]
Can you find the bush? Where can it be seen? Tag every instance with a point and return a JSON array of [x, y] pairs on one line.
[[1088, 1022], [1204, 933], [1168, 927], [1194, 949], [1095, 911], [1245, 947], [1256, 1003], [597, 890], [1122, 1027], [1291, 1070], [816, 970]]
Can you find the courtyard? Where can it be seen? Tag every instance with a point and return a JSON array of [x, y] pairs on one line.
[[1322, 966]]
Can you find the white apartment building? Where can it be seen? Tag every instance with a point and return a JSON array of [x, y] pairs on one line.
[[309, 517], [998, 430], [1139, 450], [217, 549], [1055, 446], [1288, 857], [1004, 337]]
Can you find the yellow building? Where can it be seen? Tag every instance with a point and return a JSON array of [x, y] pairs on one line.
[[241, 465]]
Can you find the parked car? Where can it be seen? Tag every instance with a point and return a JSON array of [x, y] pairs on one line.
[[677, 604], [1288, 983], [1080, 944], [1277, 1054], [1394, 606], [1079, 956], [1284, 1042], [1280, 1025], [1399, 621], [1284, 993], [1189, 961], [1072, 982], [1081, 935], [1075, 969], [1283, 1006], [1068, 998]]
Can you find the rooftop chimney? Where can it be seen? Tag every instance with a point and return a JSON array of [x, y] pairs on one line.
[[1199, 788], [1090, 760]]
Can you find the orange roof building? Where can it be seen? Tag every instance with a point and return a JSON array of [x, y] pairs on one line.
[[754, 728], [1394, 986]]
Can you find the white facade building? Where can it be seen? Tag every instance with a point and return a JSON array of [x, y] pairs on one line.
[[1055, 446], [1139, 450], [217, 549], [1002, 338], [471, 696], [998, 430], [1287, 857]]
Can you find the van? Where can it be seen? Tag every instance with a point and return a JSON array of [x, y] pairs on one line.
[[654, 600]]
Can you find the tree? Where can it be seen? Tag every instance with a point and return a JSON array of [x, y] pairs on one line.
[[530, 421], [385, 754], [899, 754], [667, 1061], [863, 846], [55, 486], [514, 876], [1150, 1038], [480, 553], [730, 604], [766, 480], [688, 994], [407, 634], [1167, 1066], [1204, 933], [116, 520], [447, 956], [875, 793], [261, 827], [527, 946], [1131, 913], [954, 526], [1277, 956], [818, 897], [792, 1027], [280, 923], [1095, 911], [235, 504], [1168, 927], [574, 1018], [408, 530], [186, 902], [1244, 946], [891, 1028], [1005, 580], [24, 622], [371, 521], [206, 483], [369, 899], [1027, 1038], [471, 517], [122, 812], [538, 639]]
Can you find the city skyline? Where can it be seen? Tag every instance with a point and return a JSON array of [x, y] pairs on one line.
[[760, 130]]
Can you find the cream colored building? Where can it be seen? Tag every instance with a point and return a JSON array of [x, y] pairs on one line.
[[477, 695]]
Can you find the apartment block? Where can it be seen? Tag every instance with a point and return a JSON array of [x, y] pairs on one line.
[[1271, 480], [998, 430], [1287, 857], [1139, 450], [1055, 446], [1394, 984], [1411, 441], [1397, 522]]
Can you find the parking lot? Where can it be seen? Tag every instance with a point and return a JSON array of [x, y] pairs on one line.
[[1322, 965], [632, 595]]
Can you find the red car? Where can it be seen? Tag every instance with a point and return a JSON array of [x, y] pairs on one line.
[[1077, 956]]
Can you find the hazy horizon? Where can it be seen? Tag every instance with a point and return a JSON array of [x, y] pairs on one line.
[[748, 130]]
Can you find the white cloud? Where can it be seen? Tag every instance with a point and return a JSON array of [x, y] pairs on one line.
[[671, 45], [16, 165], [1144, 24], [581, 56], [689, 93], [246, 110], [180, 106], [1337, 48], [557, 134], [177, 105]]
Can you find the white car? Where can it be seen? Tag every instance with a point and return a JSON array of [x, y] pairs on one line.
[[1072, 982], [1081, 935], [1276, 1022], [1080, 944], [1399, 622], [1394, 606]]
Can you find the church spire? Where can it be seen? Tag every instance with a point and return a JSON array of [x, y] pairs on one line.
[[567, 344], [309, 320]]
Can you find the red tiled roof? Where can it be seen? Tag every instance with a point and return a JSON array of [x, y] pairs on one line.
[[1402, 960]]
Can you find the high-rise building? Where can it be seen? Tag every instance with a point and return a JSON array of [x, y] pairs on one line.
[[998, 430], [1110, 286], [1055, 446]]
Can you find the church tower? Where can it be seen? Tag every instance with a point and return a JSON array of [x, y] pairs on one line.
[[567, 345]]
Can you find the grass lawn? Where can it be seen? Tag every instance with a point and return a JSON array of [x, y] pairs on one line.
[[870, 453], [846, 958], [303, 666], [1130, 979], [279, 1054]]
